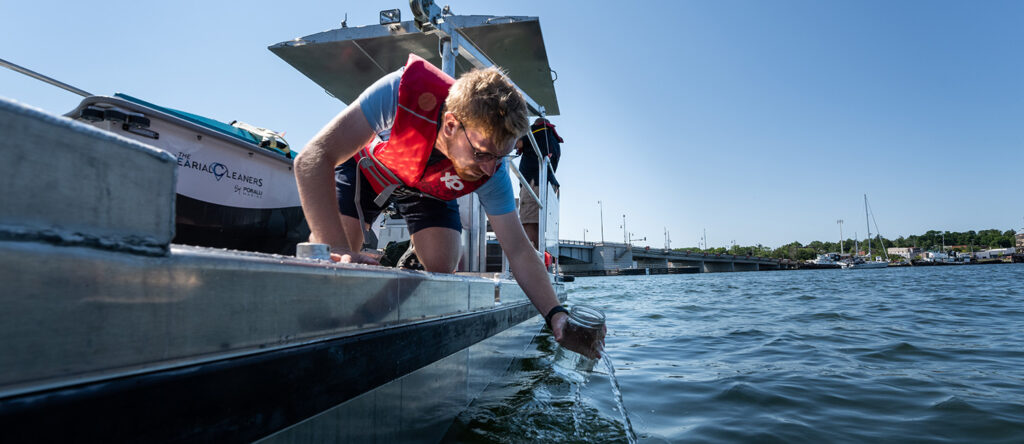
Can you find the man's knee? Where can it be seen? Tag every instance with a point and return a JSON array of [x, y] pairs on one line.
[[437, 249], [439, 260], [440, 264]]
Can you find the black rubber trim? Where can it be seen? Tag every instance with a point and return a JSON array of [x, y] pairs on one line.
[[92, 114], [114, 115], [137, 121], [245, 398]]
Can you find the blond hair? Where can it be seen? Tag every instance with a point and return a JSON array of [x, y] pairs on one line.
[[486, 99]]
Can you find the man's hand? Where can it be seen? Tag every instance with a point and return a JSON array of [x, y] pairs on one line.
[[350, 257], [577, 340]]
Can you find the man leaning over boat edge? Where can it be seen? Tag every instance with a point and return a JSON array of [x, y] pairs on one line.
[[434, 126]]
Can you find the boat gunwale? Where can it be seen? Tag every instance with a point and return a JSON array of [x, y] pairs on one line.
[[137, 107]]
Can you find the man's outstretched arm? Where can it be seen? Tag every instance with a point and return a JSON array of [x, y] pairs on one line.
[[528, 268], [526, 265]]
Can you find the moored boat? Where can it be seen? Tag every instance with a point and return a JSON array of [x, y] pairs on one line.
[[235, 186], [865, 262], [860, 263], [822, 261]]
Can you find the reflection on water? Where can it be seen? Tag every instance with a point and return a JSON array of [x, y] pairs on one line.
[[927, 354], [541, 402]]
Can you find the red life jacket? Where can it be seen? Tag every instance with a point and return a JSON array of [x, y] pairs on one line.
[[402, 160]]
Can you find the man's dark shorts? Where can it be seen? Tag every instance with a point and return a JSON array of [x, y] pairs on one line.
[[419, 212]]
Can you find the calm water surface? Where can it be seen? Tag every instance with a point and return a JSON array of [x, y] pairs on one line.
[[925, 354]]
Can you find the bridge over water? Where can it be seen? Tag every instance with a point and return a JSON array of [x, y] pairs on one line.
[[597, 258]]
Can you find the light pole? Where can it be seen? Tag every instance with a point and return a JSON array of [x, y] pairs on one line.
[[601, 207], [584, 235], [840, 222], [625, 237]]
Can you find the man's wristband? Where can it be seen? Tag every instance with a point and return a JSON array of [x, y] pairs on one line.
[[551, 314]]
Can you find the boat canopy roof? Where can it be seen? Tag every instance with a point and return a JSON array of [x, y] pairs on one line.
[[345, 61]]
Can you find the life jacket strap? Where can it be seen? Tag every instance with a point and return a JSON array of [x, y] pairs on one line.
[[377, 172], [385, 194]]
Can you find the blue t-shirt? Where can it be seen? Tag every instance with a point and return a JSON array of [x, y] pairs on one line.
[[379, 104]]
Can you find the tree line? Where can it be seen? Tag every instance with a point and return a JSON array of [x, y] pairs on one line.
[[931, 240]]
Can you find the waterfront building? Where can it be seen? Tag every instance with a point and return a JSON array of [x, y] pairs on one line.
[[995, 253], [1001, 252], [1020, 241], [905, 252]]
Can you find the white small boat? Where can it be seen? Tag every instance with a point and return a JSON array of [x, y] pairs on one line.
[[859, 262], [825, 259]]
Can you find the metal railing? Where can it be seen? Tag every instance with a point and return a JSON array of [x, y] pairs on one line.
[[454, 43]]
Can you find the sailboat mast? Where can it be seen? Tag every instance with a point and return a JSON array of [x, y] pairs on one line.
[[866, 219]]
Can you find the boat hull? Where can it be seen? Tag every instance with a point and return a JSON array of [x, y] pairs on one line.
[[865, 265], [213, 346]]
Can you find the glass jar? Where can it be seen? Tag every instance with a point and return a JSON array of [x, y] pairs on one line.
[[309, 250], [586, 323]]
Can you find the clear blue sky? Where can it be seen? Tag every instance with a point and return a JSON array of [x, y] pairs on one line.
[[760, 121]]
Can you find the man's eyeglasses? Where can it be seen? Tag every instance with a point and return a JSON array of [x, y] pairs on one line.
[[479, 155]]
